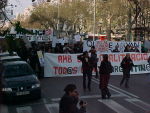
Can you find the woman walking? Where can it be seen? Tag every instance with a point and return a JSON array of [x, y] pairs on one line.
[[105, 69]]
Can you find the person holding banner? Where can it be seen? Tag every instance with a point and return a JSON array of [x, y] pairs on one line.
[[105, 69], [86, 68], [126, 65]]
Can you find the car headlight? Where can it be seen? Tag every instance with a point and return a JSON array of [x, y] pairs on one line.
[[7, 89], [36, 85]]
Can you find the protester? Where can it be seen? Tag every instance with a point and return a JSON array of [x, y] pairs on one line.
[[86, 68], [68, 103], [66, 49], [126, 65], [116, 49], [105, 70], [94, 60], [127, 48]]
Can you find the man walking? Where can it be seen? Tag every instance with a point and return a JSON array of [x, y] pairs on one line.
[[86, 68], [126, 65]]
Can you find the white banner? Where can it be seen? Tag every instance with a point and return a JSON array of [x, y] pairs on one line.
[[109, 46], [68, 65]]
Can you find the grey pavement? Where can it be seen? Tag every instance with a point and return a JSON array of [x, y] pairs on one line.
[[135, 99]]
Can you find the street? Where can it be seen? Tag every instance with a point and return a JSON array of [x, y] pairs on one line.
[[135, 99]]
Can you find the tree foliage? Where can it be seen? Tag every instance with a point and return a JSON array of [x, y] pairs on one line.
[[78, 15]]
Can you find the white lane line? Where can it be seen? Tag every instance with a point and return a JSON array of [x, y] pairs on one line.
[[124, 91], [52, 108], [25, 109], [3, 108], [115, 106], [90, 97], [143, 105], [113, 89], [128, 93]]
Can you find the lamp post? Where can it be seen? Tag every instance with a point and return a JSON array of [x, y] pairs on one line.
[[58, 23], [94, 19]]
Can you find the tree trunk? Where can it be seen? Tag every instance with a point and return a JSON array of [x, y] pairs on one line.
[[129, 25]]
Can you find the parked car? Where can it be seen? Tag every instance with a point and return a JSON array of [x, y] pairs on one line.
[[18, 80], [9, 59], [7, 54]]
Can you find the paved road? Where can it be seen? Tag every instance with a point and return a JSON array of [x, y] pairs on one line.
[[135, 99]]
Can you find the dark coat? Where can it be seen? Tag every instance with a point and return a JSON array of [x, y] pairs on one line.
[[68, 104], [105, 67], [94, 59], [127, 65], [86, 64], [105, 70]]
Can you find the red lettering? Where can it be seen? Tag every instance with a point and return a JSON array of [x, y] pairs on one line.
[[69, 59], [111, 57], [55, 68], [138, 57], [60, 70], [64, 70], [78, 60], [64, 59], [115, 58], [133, 57], [122, 56], [60, 59], [145, 55], [74, 70]]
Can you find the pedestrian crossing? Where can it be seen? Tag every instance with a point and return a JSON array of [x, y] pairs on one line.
[[113, 104]]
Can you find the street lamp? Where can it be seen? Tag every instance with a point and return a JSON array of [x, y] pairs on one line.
[[94, 19]]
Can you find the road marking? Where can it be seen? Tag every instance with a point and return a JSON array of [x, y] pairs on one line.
[[26, 109], [128, 93], [3, 108], [124, 91], [115, 106], [139, 103], [90, 97], [113, 89], [52, 108]]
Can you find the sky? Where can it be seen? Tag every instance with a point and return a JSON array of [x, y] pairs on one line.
[[20, 5]]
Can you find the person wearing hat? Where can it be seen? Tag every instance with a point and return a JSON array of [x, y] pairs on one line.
[[86, 68]]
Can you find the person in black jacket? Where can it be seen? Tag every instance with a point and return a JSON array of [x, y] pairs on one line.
[[86, 68], [126, 65], [94, 60], [68, 103], [105, 69]]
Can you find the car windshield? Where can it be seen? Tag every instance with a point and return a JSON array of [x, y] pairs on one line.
[[17, 70]]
